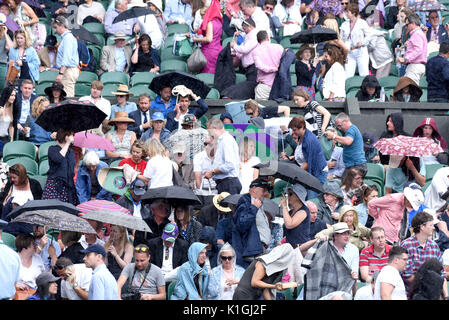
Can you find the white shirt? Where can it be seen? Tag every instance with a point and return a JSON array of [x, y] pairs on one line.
[[102, 104], [160, 170], [167, 264], [202, 163], [26, 109], [360, 33], [446, 257], [364, 293], [82, 279], [432, 195], [85, 244], [247, 173], [334, 81], [390, 275], [148, 24], [85, 10], [261, 20], [291, 14], [29, 275]]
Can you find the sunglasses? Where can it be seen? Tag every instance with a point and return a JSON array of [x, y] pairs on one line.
[[141, 249], [250, 114], [344, 3], [229, 258]]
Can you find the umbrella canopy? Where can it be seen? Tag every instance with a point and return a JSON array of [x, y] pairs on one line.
[[55, 219], [427, 6], [407, 146], [314, 35], [85, 35], [173, 194], [51, 204], [290, 172], [71, 115], [268, 205], [193, 140], [134, 12], [232, 199], [118, 219], [174, 78], [101, 205], [36, 6], [88, 140]]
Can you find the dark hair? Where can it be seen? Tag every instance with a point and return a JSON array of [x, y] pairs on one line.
[[61, 134], [444, 47], [23, 241], [346, 180], [272, 2], [19, 170], [366, 191], [353, 8], [43, 292], [286, 2], [262, 35], [431, 265], [250, 22], [145, 37], [63, 263], [396, 252], [420, 219], [335, 54], [297, 122]]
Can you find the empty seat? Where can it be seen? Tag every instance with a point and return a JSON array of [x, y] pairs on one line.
[[29, 164], [19, 148]]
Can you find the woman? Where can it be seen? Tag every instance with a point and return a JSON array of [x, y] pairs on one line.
[[333, 86], [351, 186], [289, 16], [332, 23], [159, 169], [211, 30], [368, 193], [247, 160], [428, 282], [156, 6], [330, 203], [189, 228], [144, 58], [137, 155], [225, 277], [392, 15], [406, 90], [55, 93], [38, 135], [87, 185], [25, 56], [72, 247], [428, 129], [370, 90], [25, 17], [297, 219], [9, 114], [403, 171], [5, 44], [157, 129], [316, 115], [356, 34], [121, 137], [31, 266], [47, 288], [305, 69], [119, 250], [265, 274], [359, 235], [60, 178]]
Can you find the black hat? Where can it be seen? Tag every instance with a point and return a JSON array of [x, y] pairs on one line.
[[49, 90], [260, 182], [50, 41]]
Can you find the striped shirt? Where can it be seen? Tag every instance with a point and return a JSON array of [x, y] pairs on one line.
[[314, 119], [368, 258]]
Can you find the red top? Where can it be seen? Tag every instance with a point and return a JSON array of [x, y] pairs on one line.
[[136, 166], [369, 259]]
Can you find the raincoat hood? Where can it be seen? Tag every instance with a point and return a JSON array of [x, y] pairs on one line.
[[193, 253], [372, 82], [415, 91], [436, 135], [333, 188]]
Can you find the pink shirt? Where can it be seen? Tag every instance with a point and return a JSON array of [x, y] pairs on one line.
[[416, 47], [267, 57], [243, 51]]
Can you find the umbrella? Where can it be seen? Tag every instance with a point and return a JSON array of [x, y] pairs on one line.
[[55, 219], [101, 205], [9, 23], [175, 78], [268, 205], [50, 204], [134, 12], [193, 140], [427, 6], [85, 35], [314, 35], [88, 140], [290, 172], [36, 6], [71, 115], [231, 199], [118, 219], [175, 194], [407, 146]]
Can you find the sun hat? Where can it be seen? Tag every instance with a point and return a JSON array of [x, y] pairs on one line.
[[300, 192], [218, 198], [121, 116], [122, 90], [414, 195], [341, 227], [170, 232], [58, 86]]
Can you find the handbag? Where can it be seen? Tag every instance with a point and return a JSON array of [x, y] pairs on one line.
[[197, 61], [205, 195], [182, 46], [12, 74], [23, 294]]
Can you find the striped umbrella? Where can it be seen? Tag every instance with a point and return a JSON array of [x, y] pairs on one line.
[[101, 205]]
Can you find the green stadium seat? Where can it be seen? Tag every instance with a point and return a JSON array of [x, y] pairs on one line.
[[96, 52], [239, 77], [19, 149], [394, 71], [94, 27], [380, 189], [292, 68], [48, 76], [431, 169], [87, 77], [375, 172], [41, 179], [294, 80], [285, 42], [207, 78], [142, 78], [423, 83], [225, 41], [44, 166], [43, 150], [213, 94], [171, 288], [173, 65], [108, 89], [114, 163], [177, 28], [40, 88], [353, 82], [389, 82], [279, 187], [167, 54], [168, 43], [139, 89], [115, 78], [9, 240], [82, 89], [30, 165]]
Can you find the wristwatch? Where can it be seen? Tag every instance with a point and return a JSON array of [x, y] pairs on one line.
[[75, 285]]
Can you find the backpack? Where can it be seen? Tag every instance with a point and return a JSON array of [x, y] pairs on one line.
[[83, 54]]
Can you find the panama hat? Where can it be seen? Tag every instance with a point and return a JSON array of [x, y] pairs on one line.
[[121, 116], [122, 90], [218, 198]]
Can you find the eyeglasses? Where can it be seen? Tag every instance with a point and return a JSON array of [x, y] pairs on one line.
[[229, 258], [269, 8], [141, 249], [250, 113]]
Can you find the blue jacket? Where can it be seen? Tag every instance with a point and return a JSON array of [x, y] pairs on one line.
[[158, 105], [83, 185], [437, 74], [311, 148], [185, 285], [172, 124], [38, 135], [31, 58], [165, 134], [245, 236], [442, 34], [281, 90]]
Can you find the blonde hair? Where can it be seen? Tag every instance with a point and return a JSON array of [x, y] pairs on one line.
[[37, 103], [245, 143], [123, 240], [25, 35], [252, 105], [332, 24], [153, 147]]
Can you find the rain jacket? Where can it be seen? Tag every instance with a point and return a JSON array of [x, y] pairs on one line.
[[415, 91], [372, 82], [84, 187], [436, 135], [185, 286], [324, 212]]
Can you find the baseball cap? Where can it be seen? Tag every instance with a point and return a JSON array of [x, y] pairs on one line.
[[260, 182], [157, 116], [138, 187], [96, 248], [189, 118], [170, 232], [44, 278], [179, 148]]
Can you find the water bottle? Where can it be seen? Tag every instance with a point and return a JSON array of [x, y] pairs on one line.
[[382, 94]]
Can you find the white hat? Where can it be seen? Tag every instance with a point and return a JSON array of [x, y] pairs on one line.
[[414, 195], [179, 148], [157, 4], [180, 90], [341, 227]]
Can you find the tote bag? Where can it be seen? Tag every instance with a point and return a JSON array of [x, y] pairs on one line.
[[197, 61]]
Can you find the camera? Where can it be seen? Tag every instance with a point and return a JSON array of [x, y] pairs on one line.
[[132, 295]]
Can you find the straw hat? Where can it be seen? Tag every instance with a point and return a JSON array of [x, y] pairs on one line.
[[121, 116], [218, 198], [123, 90]]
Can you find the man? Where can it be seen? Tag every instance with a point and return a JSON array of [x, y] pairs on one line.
[[141, 116], [316, 224], [103, 285], [275, 23], [251, 10], [48, 250], [421, 248], [349, 252], [437, 74], [116, 57], [131, 200], [142, 276], [126, 26], [212, 213], [169, 251], [267, 58], [178, 11], [160, 209], [88, 239], [10, 265], [47, 55], [96, 88], [437, 32], [67, 59], [176, 117], [335, 164], [367, 292], [352, 142], [244, 50], [90, 11], [148, 24], [122, 95], [25, 99], [251, 232], [253, 110], [164, 102], [185, 167], [374, 257], [226, 165], [389, 284], [416, 50], [75, 279]]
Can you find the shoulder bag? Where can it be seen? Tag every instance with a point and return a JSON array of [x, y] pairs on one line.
[[197, 61]]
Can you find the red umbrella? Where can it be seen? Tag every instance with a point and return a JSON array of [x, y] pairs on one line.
[[407, 146], [88, 140]]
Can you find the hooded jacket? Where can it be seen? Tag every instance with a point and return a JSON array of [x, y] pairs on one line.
[[435, 134], [398, 122], [415, 91], [372, 82], [84, 186], [429, 287], [185, 286], [324, 212]]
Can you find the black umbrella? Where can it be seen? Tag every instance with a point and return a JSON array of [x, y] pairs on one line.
[[268, 205], [314, 35], [173, 194], [289, 172], [71, 115], [174, 78], [38, 205], [36, 6], [134, 12], [85, 35]]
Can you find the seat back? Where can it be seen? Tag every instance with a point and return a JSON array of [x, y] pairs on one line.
[[115, 77], [43, 150], [19, 148], [142, 78], [29, 164], [44, 166], [173, 65], [41, 179], [9, 240]]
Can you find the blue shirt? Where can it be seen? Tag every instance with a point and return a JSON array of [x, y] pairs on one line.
[[128, 107], [10, 267], [38, 135], [226, 157], [67, 51], [176, 10], [46, 259], [103, 285], [354, 153], [120, 59]]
